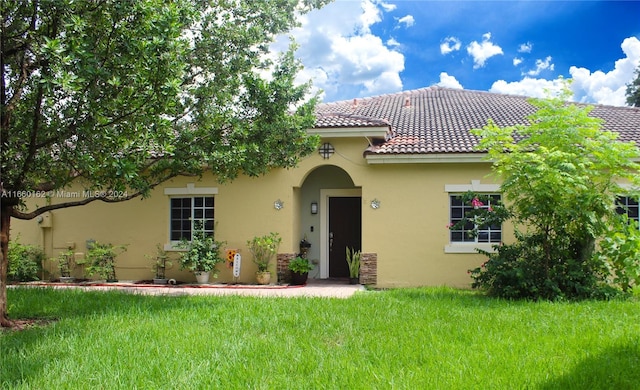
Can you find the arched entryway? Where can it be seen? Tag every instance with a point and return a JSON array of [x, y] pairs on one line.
[[337, 223]]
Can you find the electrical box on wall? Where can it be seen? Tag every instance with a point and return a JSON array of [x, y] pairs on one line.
[[45, 220]]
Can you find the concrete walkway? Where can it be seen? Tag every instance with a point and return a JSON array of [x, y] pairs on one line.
[[314, 288]]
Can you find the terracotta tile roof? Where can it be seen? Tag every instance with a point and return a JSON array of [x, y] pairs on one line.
[[438, 120], [338, 119]]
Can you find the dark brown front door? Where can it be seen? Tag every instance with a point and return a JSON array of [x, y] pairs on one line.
[[345, 230]]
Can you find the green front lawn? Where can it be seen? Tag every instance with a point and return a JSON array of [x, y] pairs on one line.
[[432, 338]]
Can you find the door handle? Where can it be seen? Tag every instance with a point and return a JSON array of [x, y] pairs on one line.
[[330, 241]]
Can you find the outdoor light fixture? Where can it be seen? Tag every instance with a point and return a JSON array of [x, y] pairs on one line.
[[314, 207], [326, 150], [375, 204], [278, 204]]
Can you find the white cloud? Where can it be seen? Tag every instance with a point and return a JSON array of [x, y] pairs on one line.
[[540, 66], [387, 7], [450, 44], [517, 61], [408, 21], [481, 52], [610, 87], [449, 81], [384, 83], [366, 58], [525, 47], [341, 55], [371, 14], [527, 87], [588, 87], [393, 42]]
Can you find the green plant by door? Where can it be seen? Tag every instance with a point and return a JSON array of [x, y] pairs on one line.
[[300, 265], [353, 261]]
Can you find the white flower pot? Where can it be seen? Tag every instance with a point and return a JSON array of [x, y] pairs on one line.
[[202, 277]]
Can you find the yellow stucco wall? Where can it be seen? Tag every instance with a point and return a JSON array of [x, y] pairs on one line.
[[408, 232]]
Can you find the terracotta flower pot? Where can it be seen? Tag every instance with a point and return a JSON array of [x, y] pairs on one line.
[[263, 277]]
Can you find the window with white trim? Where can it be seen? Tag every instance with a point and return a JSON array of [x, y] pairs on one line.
[[188, 212], [628, 205], [491, 234]]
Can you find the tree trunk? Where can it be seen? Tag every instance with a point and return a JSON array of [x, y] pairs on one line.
[[5, 223]]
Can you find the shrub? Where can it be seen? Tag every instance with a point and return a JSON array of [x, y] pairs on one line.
[[560, 176], [202, 252], [66, 262], [25, 262], [620, 254], [523, 271], [102, 260]]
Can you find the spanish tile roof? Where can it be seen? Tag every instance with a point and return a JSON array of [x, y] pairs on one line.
[[338, 119], [439, 120]]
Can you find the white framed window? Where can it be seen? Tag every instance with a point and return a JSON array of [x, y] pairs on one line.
[[628, 205], [471, 232], [189, 207], [459, 241], [188, 213]]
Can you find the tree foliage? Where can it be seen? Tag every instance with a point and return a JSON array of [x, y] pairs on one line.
[[561, 176], [633, 90], [121, 95]]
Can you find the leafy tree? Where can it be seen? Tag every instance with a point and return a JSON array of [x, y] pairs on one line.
[[560, 182], [120, 95], [633, 90]]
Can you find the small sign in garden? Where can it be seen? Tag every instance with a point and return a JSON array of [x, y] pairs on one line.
[[237, 259]]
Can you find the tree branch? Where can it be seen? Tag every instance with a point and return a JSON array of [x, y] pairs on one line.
[[103, 198], [41, 210]]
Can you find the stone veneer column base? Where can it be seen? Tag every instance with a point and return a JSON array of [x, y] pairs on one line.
[[369, 268], [282, 267]]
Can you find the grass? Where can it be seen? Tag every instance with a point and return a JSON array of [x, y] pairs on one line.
[[433, 338]]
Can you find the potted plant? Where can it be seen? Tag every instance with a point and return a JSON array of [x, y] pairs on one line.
[[102, 260], [161, 264], [66, 263], [353, 261], [202, 254], [263, 249], [299, 268]]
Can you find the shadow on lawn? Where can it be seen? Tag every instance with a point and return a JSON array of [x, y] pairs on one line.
[[615, 368]]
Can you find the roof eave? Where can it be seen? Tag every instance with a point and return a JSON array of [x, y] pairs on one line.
[[430, 158], [350, 132]]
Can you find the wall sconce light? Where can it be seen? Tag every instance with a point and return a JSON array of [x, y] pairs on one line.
[[314, 207]]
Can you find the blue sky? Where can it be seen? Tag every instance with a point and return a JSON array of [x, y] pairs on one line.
[[359, 48]]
